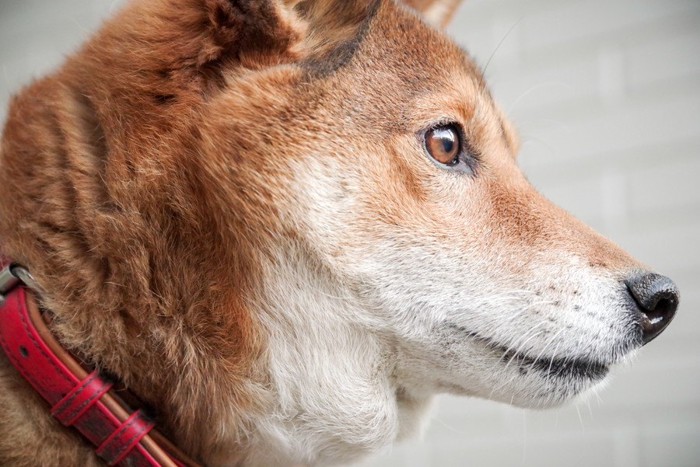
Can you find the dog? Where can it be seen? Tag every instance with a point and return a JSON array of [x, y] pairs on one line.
[[286, 225]]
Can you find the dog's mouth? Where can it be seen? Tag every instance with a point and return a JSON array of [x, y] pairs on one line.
[[551, 367]]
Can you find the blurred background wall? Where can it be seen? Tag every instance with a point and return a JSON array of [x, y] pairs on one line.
[[606, 95]]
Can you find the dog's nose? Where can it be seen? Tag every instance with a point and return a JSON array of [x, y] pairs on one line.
[[657, 298]]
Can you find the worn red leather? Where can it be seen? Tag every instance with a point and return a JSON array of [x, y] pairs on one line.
[[75, 397]]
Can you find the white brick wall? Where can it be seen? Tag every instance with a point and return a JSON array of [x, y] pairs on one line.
[[606, 94]]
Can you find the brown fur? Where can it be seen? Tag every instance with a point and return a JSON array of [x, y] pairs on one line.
[[127, 236], [141, 185]]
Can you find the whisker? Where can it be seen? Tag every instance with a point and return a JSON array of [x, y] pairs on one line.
[[534, 88], [500, 43], [545, 348], [580, 418]]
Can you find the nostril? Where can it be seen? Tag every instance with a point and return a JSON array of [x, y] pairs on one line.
[[657, 298]]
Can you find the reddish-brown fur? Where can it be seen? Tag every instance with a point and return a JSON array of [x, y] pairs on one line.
[[127, 233]]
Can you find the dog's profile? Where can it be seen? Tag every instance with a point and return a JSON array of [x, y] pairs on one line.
[[286, 225]]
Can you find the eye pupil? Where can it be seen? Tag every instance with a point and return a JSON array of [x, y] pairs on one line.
[[443, 144], [447, 145]]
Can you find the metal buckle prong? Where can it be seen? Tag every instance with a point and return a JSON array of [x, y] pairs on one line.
[[13, 275]]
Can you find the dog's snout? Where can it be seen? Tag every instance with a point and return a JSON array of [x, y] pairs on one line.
[[657, 298]]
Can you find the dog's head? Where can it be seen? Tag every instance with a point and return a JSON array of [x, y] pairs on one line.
[[269, 172], [401, 183]]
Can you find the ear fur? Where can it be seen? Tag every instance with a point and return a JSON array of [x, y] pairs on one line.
[[261, 28], [284, 30], [257, 33], [437, 12]]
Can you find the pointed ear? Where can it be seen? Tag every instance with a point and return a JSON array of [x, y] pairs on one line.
[[252, 30], [260, 32], [437, 12]]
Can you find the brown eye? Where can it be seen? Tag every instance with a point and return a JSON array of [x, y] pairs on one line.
[[443, 144]]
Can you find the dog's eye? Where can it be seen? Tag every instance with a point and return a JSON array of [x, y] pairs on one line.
[[443, 144]]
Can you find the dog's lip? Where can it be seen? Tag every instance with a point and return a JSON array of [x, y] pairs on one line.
[[553, 367]]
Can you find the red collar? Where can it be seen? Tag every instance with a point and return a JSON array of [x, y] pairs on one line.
[[78, 399]]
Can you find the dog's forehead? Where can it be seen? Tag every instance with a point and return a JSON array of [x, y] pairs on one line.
[[397, 56], [401, 33]]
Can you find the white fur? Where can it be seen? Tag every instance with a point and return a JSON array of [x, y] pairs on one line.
[[360, 342]]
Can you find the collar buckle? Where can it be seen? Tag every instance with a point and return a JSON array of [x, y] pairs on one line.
[[12, 276]]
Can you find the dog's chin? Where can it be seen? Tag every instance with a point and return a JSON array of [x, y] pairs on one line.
[[544, 389], [555, 391], [548, 382], [524, 381], [530, 380]]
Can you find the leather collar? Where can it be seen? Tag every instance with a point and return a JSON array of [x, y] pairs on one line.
[[76, 397]]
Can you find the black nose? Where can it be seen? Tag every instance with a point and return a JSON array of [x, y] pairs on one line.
[[657, 298]]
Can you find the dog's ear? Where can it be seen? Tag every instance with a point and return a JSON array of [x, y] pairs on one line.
[[437, 12], [259, 30]]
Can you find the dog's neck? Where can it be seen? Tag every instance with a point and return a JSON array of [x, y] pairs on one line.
[[331, 369], [326, 382]]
